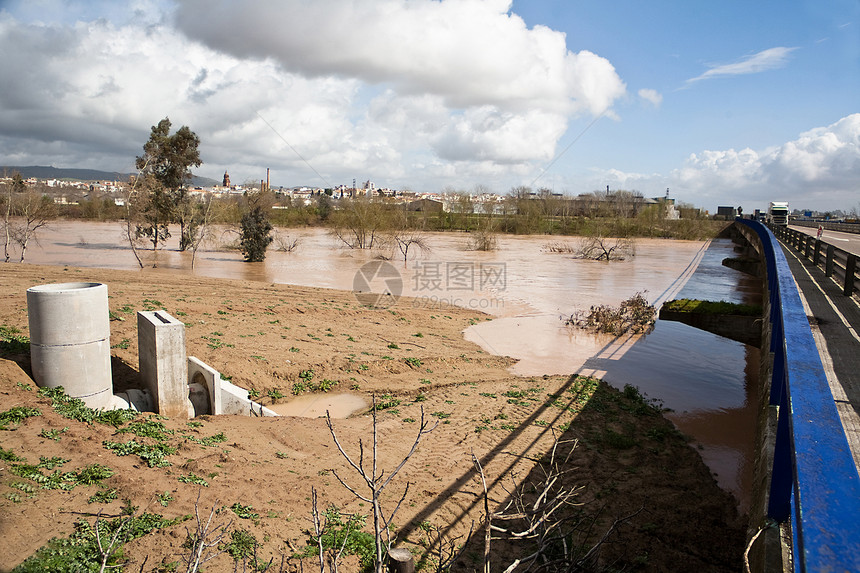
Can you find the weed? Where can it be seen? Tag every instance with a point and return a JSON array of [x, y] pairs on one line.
[[87, 550], [16, 415], [9, 456], [193, 479], [244, 511], [393, 346], [343, 531], [242, 545], [75, 409], [53, 434], [387, 401], [149, 428], [276, 394], [413, 362], [104, 496], [154, 455], [122, 344], [12, 341]]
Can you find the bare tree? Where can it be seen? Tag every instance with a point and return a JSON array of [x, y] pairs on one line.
[[406, 236], [360, 222], [31, 210], [376, 481], [132, 217], [205, 540], [201, 229], [17, 186]]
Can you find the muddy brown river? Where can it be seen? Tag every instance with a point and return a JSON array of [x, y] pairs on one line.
[[707, 381]]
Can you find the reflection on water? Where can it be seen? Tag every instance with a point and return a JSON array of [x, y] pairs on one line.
[[707, 381]]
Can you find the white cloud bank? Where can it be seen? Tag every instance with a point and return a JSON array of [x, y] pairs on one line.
[[419, 93], [820, 169]]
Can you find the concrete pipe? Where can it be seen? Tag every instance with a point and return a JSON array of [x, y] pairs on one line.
[[70, 340]]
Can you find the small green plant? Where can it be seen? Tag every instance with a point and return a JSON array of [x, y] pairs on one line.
[[155, 455], [393, 346], [244, 511], [387, 401], [253, 393], [104, 496], [193, 479], [343, 531], [122, 344], [53, 434], [242, 545], [149, 428], [275, 395], [12, 341], [16, 415], [413, 362], [306, 375], [9, 456]]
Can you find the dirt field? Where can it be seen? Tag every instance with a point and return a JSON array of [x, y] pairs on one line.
[[271, 339]]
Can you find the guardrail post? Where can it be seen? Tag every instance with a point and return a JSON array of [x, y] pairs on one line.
[[816, 255], [828, 264], [850, 268], [807, 251]]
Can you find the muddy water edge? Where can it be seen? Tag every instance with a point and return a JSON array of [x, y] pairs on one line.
[[707, 382]]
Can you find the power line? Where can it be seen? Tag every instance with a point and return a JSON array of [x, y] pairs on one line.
[[299, 155], [569, 145]]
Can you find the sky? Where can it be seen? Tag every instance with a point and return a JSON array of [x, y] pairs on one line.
[[720, 103]]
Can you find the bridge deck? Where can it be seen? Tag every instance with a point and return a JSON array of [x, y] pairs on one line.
[[835, 322]]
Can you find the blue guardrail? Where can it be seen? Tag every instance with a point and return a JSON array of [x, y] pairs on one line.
[[814, 480]]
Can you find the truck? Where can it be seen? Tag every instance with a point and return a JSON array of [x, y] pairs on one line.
[[777, 213]]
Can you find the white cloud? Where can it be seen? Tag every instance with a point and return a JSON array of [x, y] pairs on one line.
[[653, 97], [421, 89], [821, 169], [770, 59], [469, 52]]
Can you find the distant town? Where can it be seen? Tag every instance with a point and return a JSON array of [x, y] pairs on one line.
[[71, 191]]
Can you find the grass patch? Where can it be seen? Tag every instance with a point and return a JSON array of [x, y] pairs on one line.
[[711, 307]]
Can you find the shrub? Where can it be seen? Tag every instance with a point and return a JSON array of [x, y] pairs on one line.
[[256, 237]]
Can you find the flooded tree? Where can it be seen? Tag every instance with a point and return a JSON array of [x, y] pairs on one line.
[[27, 212], [168, 160]]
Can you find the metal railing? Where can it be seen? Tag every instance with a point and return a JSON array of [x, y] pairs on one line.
[[814, 482], [835, 262]]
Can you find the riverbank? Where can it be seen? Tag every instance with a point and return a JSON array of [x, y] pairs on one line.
[[274, 339]]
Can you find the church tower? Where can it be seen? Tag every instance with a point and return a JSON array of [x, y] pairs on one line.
[[226, 182]]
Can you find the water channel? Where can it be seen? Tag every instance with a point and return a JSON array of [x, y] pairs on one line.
[[707, 381]]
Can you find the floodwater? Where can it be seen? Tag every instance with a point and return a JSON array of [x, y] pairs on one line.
[[707, 381]]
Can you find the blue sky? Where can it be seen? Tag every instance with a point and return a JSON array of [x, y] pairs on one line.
[[723, 103]]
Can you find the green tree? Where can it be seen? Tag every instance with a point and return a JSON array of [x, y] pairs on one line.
[[256, 236], [169, 158]]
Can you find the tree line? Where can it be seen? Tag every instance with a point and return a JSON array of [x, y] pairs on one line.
[[159, 197]]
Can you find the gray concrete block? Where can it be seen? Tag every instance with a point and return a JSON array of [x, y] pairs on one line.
[[163, 366]]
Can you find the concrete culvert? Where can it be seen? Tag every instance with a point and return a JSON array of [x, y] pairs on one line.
[[70, 340]]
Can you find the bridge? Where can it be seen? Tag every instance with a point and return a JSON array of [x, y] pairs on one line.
[[806, 514]]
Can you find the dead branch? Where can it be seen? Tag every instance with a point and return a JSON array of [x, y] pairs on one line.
[[375, 482]]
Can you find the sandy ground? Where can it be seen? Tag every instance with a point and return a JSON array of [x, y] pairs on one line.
[[629, 463]]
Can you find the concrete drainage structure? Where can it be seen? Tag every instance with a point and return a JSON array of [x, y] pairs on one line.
[[70, 340], [70, 347]]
